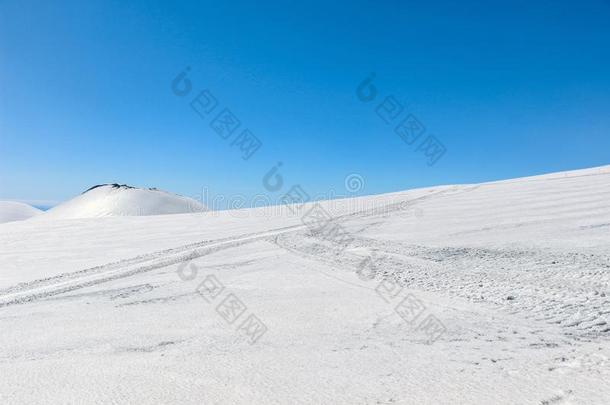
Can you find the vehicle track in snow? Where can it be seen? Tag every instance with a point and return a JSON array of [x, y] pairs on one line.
[[66, 282], [564, 288], [38, 289]]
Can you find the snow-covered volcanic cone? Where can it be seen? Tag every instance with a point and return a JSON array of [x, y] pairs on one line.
[[121, 200], [16, 211]]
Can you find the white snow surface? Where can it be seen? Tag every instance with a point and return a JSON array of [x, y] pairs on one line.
[[121, 200], [16, 211], [115, 309]]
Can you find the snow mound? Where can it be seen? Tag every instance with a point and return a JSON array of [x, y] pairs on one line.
[[16, 211], [107, 200]]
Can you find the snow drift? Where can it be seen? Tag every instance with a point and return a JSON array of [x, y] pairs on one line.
[[16, 211], [122, 200]]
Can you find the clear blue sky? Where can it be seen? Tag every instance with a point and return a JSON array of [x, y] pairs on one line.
[[512, 88]]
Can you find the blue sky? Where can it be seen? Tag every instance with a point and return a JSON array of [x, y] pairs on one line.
[[510, 88]]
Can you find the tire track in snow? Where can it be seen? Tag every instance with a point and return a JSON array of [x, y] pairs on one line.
[[66, 282], [568, 289], [38, 289]]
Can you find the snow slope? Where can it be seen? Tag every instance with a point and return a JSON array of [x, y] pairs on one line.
[[107, 310], [16, 211], [122, 200]]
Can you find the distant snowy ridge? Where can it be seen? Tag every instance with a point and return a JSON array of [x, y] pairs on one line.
[[106, 200], [16, 211]]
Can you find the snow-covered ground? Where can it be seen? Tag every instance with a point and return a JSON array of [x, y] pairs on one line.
[[516, 275], [16, 211]]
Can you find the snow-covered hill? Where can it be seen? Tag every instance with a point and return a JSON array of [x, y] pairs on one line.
[[16, 211], [136, 309], [122, 200]]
